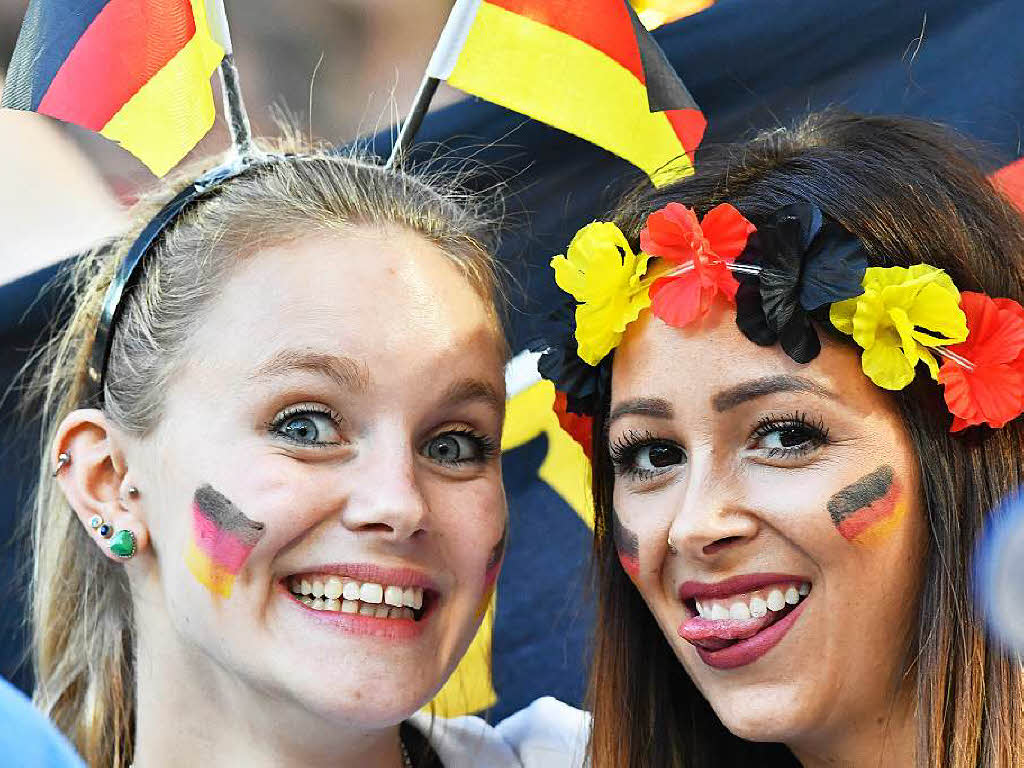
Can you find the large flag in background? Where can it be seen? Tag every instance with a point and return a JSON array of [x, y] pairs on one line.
[[136, 71], [588, 68]]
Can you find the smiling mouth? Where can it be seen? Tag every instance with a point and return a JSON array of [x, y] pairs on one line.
[[734, 630], [340, 594]]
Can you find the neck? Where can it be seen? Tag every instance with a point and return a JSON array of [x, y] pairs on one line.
[[191, 712], [883, 739]]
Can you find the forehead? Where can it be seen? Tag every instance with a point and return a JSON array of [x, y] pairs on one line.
[[389, 299], [697, 367]]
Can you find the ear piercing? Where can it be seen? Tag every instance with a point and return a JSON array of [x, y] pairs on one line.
[[122, 543], [63, 459]]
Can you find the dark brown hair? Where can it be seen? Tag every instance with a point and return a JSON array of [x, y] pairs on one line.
[[913, 192]]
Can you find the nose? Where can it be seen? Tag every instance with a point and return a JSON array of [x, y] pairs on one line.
[[711, 517], [387, 501]]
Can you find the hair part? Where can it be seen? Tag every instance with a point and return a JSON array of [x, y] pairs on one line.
[[913, 192], [83, 639]]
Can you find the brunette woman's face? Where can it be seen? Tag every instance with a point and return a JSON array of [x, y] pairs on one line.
[[790, 496], [323, 494]]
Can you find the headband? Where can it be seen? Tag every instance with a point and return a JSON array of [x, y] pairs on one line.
[[797, 269]]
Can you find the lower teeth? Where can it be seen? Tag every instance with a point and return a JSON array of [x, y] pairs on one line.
[[376, 610]]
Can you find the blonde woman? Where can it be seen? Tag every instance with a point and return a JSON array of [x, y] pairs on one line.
[[269, 535]]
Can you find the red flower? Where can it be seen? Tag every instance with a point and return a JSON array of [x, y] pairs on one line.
[[674, 234], [580, 428], [993, 392]]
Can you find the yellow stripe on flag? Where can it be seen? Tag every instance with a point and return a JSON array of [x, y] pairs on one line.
[[558, 79], [168, 116]]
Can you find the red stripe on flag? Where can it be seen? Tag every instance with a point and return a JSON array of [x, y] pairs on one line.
[[689, 125], [126, 44], [601, 24]]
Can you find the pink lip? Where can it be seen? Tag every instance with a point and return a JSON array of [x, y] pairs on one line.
[[750, 650], [690, 590], [388, 629], [399, 577]]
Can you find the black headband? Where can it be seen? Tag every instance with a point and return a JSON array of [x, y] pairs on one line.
[[129, 270]]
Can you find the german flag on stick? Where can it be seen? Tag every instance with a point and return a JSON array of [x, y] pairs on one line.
[[588, 68], [136, 71]]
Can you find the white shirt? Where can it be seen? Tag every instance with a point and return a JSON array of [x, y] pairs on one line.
[[546, 734]]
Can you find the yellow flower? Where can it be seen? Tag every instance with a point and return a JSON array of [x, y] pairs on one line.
[[901, 312], [605, 276]]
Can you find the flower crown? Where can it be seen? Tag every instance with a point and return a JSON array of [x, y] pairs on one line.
[[798, 267]]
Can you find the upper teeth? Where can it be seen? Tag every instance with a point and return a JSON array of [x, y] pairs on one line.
[[326, 590], [753, 604]]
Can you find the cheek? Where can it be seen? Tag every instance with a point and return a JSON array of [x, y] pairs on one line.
[[221, 539]]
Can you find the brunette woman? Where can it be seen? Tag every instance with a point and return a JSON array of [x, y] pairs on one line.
[[787, 500]]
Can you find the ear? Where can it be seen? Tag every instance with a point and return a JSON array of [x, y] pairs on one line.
[[94, 481]]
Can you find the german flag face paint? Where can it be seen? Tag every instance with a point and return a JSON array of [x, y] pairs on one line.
[[870, 508], [627, 545], [222, 538]]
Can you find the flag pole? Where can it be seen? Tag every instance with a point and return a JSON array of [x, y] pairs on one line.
[[439, 68], [420, 105], [235, 113]]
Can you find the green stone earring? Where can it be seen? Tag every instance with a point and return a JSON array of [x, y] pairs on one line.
[[123, 544]]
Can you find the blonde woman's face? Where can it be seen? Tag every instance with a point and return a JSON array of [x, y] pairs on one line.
[[323, 493], [790, 496]]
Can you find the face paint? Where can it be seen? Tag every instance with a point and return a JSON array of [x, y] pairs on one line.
[[869, 509], [222, 538], [627, 545], [492, 571]]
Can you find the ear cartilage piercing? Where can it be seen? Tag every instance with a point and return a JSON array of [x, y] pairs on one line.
[[63, 459], [95, 522], [133, 491], [123, 544], [106, 530]]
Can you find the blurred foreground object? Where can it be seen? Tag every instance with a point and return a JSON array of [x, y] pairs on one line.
[[27, 738], [999, 570], [654, 13], [54, 202], [135, 71]]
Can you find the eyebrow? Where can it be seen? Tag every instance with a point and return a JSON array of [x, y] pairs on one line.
[[346, 372], [654, 407], [769, 385], [469, 390]]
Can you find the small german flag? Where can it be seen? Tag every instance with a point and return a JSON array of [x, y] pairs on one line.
[[135, 71], [588, 68]]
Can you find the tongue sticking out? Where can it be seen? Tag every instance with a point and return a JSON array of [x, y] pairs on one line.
[[715, 634]]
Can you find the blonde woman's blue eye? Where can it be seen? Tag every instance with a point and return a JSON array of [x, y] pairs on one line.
[[454, 448], [308, 428]]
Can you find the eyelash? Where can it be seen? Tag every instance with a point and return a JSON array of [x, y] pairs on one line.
[[624, 450], [487, 446], [274, 426], [815, 428]]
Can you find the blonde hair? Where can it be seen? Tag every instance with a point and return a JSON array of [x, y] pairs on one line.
[[82, 623]]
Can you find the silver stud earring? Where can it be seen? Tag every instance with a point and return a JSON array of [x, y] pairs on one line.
[[63, 459]]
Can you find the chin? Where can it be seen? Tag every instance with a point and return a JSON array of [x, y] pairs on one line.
[[764, 714]]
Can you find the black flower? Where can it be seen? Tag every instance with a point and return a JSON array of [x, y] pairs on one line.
[[584, 385], [807, 262]]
